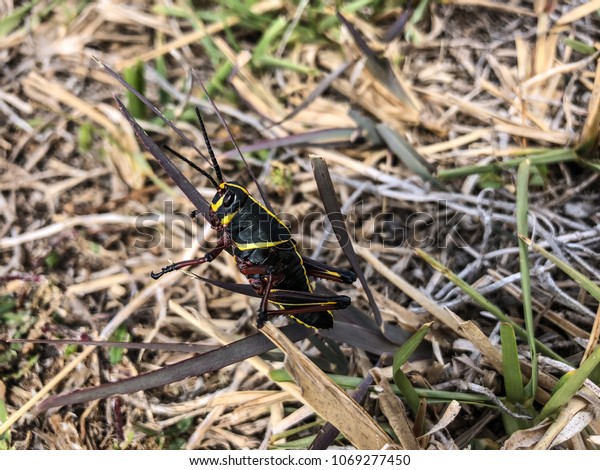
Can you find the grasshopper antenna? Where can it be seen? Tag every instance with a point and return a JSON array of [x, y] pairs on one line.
[[209, 148], [152, 108], [224, 124], [194, 166], [184, 184]]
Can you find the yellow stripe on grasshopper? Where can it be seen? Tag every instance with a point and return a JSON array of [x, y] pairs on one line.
[[256, 202], [225, 220], [295, 318], [215, 206], [258, 246]]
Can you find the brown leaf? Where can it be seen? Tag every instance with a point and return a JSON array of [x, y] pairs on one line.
[[393, 409]]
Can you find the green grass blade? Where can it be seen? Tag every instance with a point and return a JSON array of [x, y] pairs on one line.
[[522, 229], [483, 302], [407, 390], [579, 46], [163, 70], [296, 430], [268, 60], [219, 78], [406, 350], [585, 282], [121, 335], [400, 357], [511, 369], [543, 158], [268, 40], [570, 386], [134, 75], [513, 380], [411, 33], [5, 437], [437, 396], [11, 21], [407, 153]]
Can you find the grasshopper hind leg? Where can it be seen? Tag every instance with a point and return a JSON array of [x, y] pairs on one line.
[[308, 309]]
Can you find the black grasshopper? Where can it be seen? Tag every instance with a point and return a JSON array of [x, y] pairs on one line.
[[265, 253], [261, 243]]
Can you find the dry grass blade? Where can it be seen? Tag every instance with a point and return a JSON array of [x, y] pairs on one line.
[[594, 336], [482, 343], [50, 230], [41, 394], [318, 91], [589, 135], [329, 432], [502, 6], [259, 8], [327, 399], [571, 420], [554, 137], [57, 92], [194, 348], [392, 407], [526, 438], [578, 12], [443, 315], [450, 414]]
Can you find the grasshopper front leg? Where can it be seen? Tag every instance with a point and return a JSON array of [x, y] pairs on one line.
[[223, 243]]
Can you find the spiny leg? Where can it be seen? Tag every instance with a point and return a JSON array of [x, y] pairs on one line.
[[310, 309], [262, 310], [321, 270], [207, 258], [264, 286], [307, 303], [307, 308], [292, 303]]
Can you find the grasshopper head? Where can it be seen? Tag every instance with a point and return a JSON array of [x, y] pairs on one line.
[[228, 201]]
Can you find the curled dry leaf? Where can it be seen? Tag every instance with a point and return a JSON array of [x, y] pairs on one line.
[[449, 415], [571, 420], [526, 438]]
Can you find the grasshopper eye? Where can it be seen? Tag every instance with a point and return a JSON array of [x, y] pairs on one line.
[[229, 197]]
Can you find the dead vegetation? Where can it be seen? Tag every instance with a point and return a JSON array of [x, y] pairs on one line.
[[449, 128]]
